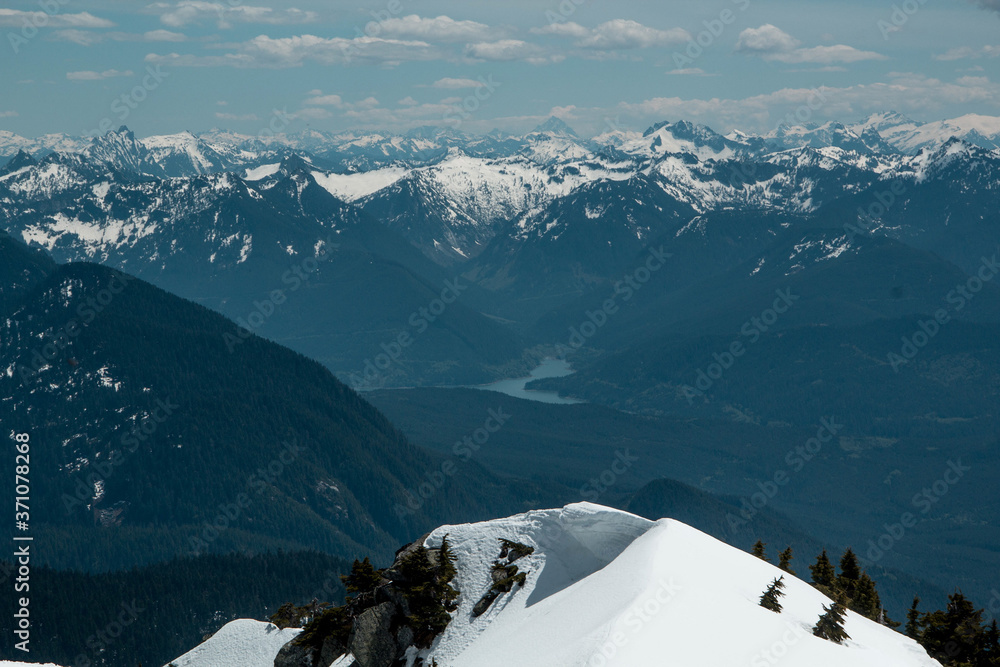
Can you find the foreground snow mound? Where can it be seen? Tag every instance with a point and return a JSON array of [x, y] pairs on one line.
[[8, 663], [609, 588], [241, 643]]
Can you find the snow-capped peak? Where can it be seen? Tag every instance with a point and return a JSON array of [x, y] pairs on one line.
[[554, 125]]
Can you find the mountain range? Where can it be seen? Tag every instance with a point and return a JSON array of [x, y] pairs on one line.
[[719, 297]]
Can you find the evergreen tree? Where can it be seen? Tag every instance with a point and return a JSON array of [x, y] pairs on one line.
[[991, 644], [850, 573], [830, 625], [769, 600], [284, 617], [866, 600], [823, 574], [363, 577], [955, 636], [759, 550], [785, 560], [913, 619], [447, 559]]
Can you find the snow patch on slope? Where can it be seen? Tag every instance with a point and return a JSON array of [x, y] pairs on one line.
[[241, 643], [350, 187]]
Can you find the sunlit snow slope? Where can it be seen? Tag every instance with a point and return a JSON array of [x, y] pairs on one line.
[[241, 643], [609, 588]]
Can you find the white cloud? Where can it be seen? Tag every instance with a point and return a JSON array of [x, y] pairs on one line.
[[163, 36], [616, 34], [81, 37], [8, 114], [325, 101], [839, 53], [407, 101], [690, 71], [233, 116], [13, 18], [773, 43], [448, 83], [224, 15], [317, 99], [565, 29], [264, 51], [87, 75], [624, 34], [90, 37], [963, 52], [506, 50], [765, 39], [439, 29]]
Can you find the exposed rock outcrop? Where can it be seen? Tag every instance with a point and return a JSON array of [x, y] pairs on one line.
[[387, 611]]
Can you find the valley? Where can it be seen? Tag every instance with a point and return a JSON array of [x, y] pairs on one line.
[[363, 339]]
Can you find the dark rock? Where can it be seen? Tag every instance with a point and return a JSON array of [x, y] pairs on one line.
[[484, 602], [295, 655], [330, 651], [404, 638], [372, 642], [396, 597]]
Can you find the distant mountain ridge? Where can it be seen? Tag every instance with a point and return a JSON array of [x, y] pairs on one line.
[[186, 152]]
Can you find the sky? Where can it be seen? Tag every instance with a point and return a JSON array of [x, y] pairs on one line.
[[84, 66]]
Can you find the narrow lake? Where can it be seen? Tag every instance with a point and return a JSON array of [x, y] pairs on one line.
[[549, 368]]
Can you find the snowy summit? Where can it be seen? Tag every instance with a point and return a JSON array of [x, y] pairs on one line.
[[607, 588]]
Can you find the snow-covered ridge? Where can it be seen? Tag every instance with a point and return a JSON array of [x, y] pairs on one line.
[[241, 643], [610, 588]]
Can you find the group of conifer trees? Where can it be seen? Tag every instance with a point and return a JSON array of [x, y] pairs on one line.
[[830, 625], [956, 637]]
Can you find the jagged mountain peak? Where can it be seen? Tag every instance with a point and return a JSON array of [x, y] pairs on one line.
[[555, 125], [20, 160]]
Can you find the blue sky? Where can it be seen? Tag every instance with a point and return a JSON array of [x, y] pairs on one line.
[[397, 64]]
